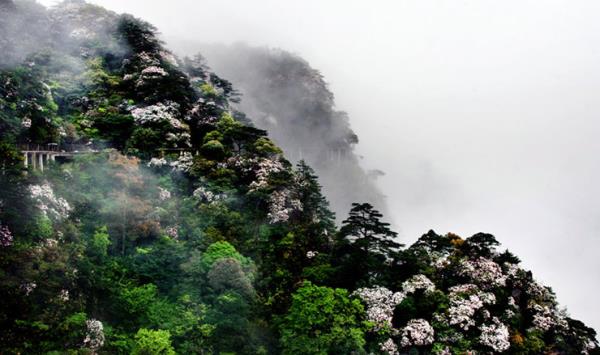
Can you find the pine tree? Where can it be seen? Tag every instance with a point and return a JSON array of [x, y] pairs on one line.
[[365, 245]]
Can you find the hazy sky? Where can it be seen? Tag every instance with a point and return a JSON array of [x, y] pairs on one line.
[[484, 114]]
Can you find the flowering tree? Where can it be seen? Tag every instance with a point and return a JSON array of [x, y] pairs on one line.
[[6, 237], [94, 337], [417, 332]]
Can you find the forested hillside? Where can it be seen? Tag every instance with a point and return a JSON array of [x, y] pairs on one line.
[[283, 94], [164, 222]]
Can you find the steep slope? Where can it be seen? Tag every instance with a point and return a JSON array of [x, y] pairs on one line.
[[283, 94], [169, 224]]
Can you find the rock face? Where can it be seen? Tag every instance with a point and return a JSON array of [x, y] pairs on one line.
[[283, 94]]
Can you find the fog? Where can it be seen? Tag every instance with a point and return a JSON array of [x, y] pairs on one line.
[[483, 114], [282, 94]]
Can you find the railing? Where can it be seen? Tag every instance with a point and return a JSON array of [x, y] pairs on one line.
[[55, 147]]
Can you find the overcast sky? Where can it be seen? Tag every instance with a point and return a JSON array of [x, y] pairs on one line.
[[484, 114]]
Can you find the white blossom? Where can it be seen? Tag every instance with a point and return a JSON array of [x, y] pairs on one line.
[[63, 295], [172, 231], [6, 237], [157, 162], [169, 58], [495, 335], [195, 113], [461, 311], [48, 203], [49, 243], [148, 59], [160, 112], [389, 347], [180, 137], [417, 332], [163, 194], [205, 195], [281, 205], [311, 254], [484, 272], [381, 303], [487, 297], [590, 344], [183, 163], [26, 122], [418, 282], [511, 269], [28, 287], [463, 288], [486, 314], [465, 300], [94, 338], [154, 71], [540, 292], [266, 167], [244, 165], [440, 261], [546, 318]]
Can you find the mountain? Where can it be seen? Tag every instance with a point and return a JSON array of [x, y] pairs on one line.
[[142, 212], [282, 93]]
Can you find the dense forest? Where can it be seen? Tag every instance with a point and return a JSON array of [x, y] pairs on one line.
[[141, 212]]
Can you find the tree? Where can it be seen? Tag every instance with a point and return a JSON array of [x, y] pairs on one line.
[[220, 250], [365, 245], [227, 274], [301, 249], [153, 342], [315, 226], [481, 244], [126, 207], [322, 320]]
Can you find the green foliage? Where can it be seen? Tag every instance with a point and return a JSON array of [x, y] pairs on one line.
[[140, 35], [208, 90], [322, 320], [153, 342], [366, 244], [145, 140], [99, 243], [74, 328], [136, 300], [482, 244], [228, 274], [11, 159], [213, 149], [265, 146], [43, 228], [193, 274], [218, 251]]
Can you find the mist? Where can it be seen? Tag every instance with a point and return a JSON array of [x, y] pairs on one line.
[[483, 114], [282, 94], [25, 42]]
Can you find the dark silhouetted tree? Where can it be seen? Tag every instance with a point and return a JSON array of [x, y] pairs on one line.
[[365, 246]]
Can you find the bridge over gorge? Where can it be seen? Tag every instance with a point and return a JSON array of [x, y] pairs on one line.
[[39, 155]]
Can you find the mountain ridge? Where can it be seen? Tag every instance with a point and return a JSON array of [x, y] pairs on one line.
[[182, 228]]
